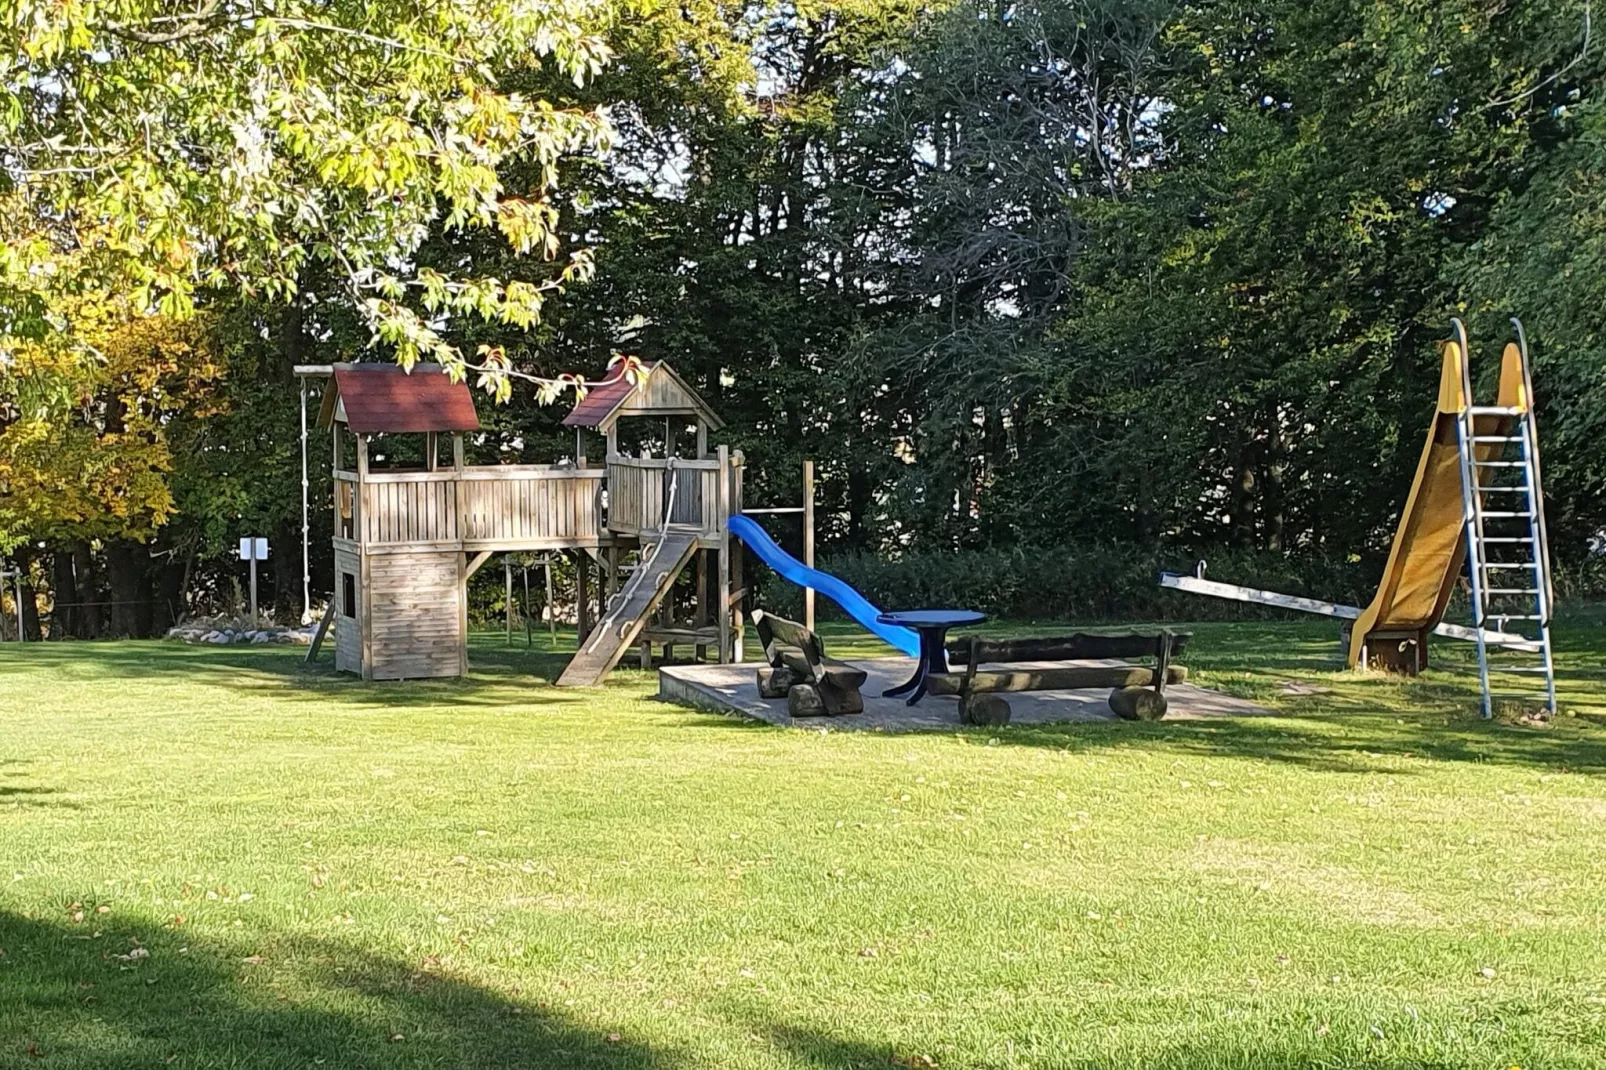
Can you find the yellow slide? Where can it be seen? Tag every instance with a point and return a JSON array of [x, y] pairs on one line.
[[1430, 544]]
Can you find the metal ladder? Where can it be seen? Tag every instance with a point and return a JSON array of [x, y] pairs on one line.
[[1508, 558]]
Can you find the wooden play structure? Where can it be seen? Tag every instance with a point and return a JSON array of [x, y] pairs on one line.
[[414, 521]]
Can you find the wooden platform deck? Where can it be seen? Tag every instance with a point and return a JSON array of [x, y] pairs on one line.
[[732, 689]]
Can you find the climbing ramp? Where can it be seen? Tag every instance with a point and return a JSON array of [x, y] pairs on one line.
[[630, 609]]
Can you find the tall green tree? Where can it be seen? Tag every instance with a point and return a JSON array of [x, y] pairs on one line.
[[161, 149]]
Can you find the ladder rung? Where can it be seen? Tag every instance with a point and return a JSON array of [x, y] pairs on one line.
[[1503, 515], [1509, 590], [1515, 616], [1510, 564], [1495, 410], [1534, 645], [1519, 668], [1496, 438], [1499, 464], [1503, 538], [1504, 490]]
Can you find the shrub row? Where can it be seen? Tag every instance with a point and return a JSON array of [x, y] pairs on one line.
[[1118, 582]]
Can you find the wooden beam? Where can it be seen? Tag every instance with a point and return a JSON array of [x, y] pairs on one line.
[[1195, 585], [582, 596], [323, 630], [722, 515], [478, 560], [1066, 679], [462, 611]]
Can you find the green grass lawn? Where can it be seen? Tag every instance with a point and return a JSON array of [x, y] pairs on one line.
[[211, 858]]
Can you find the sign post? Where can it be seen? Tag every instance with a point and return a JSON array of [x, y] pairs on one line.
[[253, 550]]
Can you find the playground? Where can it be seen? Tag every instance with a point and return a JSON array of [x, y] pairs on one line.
[[659, 533], [205, 844], [682, 829]]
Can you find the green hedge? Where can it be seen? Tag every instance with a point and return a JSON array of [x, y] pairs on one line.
[[1110, 583]]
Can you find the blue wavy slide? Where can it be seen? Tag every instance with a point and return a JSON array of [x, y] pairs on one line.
[[795, 571]]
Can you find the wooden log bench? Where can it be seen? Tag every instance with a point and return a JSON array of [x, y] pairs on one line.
[[1139, 690], [813, 684]]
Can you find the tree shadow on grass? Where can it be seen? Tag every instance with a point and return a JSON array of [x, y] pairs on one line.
[[813, 1048], [1338, 743], [14, 794], [499, 676], [109, 996]]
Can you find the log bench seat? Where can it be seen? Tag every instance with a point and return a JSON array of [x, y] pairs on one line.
[[798, 669], [1139, 690]]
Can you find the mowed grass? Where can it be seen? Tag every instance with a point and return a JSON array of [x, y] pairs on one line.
[[211, 858]]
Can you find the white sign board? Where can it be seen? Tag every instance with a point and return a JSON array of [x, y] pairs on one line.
[[253, 549]]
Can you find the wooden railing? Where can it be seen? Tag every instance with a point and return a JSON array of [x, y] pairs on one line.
[[517, 507], [638, 489], [493, 507]]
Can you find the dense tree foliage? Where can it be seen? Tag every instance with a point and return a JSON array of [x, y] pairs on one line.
[[1154, 275]]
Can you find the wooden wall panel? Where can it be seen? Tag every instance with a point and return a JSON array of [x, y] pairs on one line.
[[415, 615]]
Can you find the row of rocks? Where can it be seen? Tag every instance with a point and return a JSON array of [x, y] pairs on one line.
[[273, 633]]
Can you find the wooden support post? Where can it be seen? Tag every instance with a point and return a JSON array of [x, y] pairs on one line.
[[457, 450], [579, 447], [365, 600], [702, 439], [507, 602], [723, 513], [431, 451], [551, 614], [582, 595], [463, 573], [808, 540], [703, 620]]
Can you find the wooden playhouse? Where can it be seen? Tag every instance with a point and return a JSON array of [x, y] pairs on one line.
[[413, 521]]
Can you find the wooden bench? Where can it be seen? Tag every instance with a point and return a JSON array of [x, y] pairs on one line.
[[1139, 693], [813, 684]]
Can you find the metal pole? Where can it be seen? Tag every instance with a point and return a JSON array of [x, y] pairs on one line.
[[808, 540], [253, 584], [306, 557], [507, 570], [526, 571]]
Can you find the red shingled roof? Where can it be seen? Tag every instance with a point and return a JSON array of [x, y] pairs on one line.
[[383, 397], [601, 400]]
